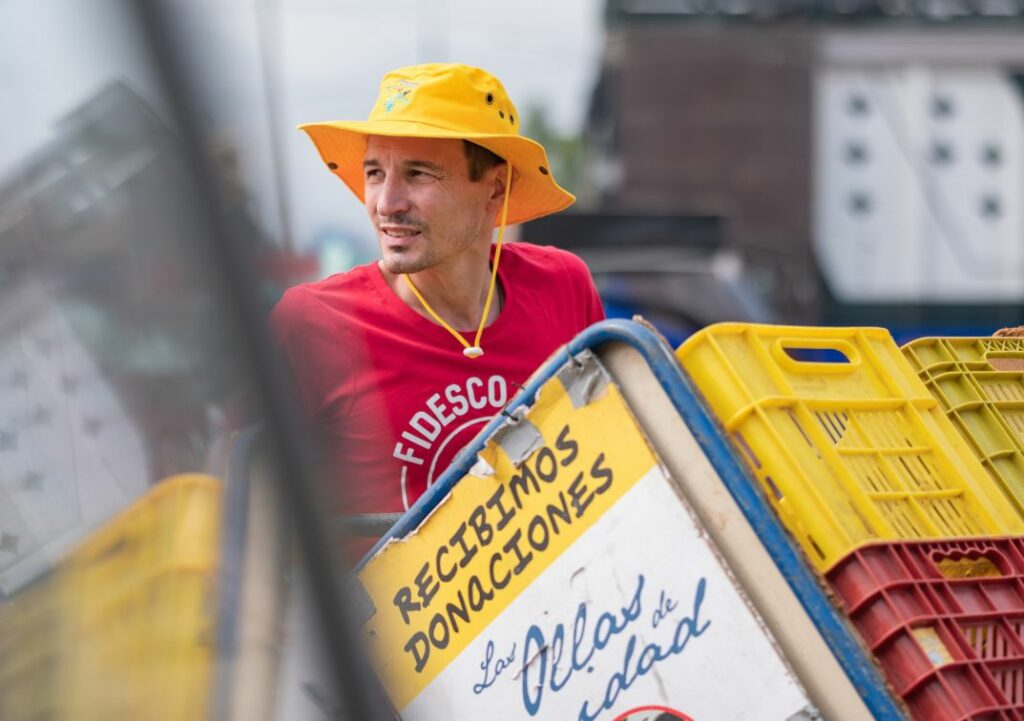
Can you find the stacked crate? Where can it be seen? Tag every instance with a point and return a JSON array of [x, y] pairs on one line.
[[889, 502], [979, 384]]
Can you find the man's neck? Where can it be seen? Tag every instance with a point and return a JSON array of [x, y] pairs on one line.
[[456, 290]]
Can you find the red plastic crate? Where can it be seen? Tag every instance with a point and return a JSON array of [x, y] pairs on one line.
[[945, 620]]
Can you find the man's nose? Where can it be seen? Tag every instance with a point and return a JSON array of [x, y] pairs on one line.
[[392, 197]]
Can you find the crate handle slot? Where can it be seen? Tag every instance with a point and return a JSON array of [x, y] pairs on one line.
[[1005, 360], [816, 355], [974, 565], [116, 547]]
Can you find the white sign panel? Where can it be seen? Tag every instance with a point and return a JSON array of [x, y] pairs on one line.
[[566, 579]]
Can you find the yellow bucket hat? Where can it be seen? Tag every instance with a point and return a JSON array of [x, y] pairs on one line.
[[442, 100]]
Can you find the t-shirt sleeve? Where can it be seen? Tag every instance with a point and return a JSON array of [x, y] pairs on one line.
[[587, 298], [593, 304], [308, 340]]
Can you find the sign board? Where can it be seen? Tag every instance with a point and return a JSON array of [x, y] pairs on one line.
[[564, 577]]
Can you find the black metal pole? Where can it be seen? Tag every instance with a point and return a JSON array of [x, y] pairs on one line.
[[295, 473]]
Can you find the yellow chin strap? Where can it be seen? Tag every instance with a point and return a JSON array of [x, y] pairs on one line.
[[473, 351]]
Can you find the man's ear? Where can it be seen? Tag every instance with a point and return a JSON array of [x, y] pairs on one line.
[[498, 181]]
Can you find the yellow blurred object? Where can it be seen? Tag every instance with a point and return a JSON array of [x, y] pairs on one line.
[[844, 438], [30, 647], [124, 626]]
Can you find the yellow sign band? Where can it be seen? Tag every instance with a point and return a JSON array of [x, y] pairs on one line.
[[439, 588]]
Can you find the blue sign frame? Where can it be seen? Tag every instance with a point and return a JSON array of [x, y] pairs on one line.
[[836, 631]]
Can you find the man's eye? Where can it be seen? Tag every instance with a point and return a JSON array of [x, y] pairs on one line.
[[374, 174]]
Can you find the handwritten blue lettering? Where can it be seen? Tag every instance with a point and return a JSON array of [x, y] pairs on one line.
[[539, 654], [536, 650], [666, 605], [688, 628], [500, 665]]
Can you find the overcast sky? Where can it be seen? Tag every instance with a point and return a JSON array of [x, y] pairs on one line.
[[329, 56]]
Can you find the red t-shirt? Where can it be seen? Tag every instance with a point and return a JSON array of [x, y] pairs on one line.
[[391, 390]]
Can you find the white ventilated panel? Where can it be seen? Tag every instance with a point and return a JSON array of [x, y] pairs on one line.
[[974, 188], [864, 182], [70, 456], [918, 183]]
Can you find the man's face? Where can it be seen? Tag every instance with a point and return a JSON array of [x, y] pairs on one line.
[[422, 203]]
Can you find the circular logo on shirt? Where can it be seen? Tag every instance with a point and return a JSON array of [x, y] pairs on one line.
[[446, 422]]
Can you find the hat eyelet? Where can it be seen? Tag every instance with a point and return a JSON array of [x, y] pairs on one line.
[[332, 166], [501, 114], [543, 170], [512, 119], [490, 98]]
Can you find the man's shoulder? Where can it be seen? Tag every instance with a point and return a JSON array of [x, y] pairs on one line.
[[312, 303], [545, 258], [330, 290]]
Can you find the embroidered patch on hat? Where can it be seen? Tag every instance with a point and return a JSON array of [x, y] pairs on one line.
[[399, 94]]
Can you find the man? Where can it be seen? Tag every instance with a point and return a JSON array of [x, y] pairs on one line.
[[401, 362]]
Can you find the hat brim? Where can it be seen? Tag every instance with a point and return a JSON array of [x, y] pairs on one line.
[[342, 144]]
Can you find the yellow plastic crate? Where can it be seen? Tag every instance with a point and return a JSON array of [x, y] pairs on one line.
[[140, 594], [158, 641], [176, 523], [979, 383], [124, 625], [848, 452], [30, 643]]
